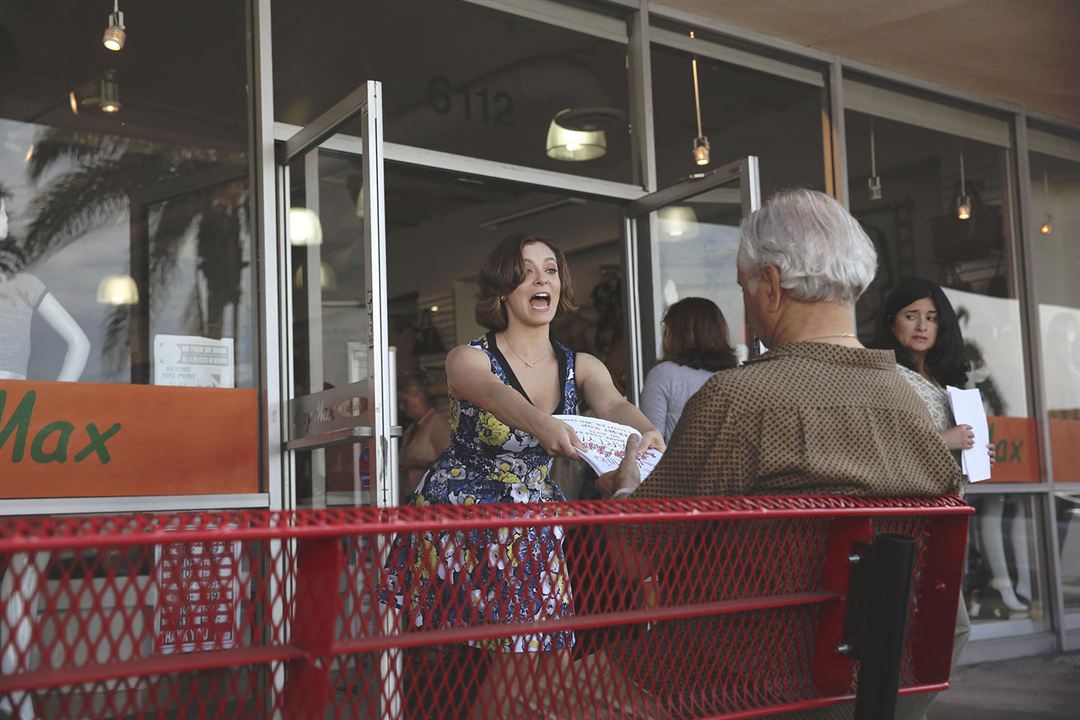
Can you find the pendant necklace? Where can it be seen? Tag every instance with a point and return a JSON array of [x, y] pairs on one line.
[[527, 363], [834, 335]]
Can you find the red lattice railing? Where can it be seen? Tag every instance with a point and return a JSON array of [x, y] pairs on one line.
[[714, 607]]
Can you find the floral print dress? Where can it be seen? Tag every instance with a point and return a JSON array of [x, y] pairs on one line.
[[491, 576]]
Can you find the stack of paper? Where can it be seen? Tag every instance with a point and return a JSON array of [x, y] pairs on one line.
[[605, 444], [967, 409]]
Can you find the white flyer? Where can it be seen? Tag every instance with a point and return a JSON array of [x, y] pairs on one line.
[[967, 408], [606, 443]]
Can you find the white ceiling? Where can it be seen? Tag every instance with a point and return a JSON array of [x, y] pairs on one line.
[[1021, 51]]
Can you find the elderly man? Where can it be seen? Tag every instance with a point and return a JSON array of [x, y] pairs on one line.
[[818, 413]]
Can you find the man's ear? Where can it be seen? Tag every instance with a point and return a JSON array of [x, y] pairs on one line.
[[770, 276]]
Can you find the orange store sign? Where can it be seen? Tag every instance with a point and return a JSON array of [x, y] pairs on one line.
[[90, 440]]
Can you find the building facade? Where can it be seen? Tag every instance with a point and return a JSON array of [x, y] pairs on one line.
[[169, 205]]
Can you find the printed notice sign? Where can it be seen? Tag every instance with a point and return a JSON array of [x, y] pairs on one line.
[[192, 361], [606, 444], [198, 604]]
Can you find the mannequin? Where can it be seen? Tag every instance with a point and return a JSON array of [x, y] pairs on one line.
[[21, 294], [1015, 599]]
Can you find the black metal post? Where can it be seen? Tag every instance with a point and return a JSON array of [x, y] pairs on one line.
[[882, 645]]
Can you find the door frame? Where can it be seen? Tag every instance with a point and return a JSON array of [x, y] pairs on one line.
[[377, 390], [643, 270]]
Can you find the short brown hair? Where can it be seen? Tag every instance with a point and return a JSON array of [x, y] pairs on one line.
[[696, 335], [504, 271]]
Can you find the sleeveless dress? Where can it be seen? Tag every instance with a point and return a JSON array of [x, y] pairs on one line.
[[491, 576]]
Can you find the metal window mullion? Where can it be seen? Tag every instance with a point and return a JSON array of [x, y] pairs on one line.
[[554, 13], [838, 135], [265, 239], [643, 139], [733, 56], [438, 160], [743, 35], [1032, 337], [375, 257]]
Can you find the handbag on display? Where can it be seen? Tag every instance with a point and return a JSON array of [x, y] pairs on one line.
[[980, 235]]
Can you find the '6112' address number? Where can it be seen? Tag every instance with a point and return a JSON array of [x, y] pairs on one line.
[[475, 103]]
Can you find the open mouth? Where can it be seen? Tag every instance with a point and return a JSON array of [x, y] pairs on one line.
[[540, 301]]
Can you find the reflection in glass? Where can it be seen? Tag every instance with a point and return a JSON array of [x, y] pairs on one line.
[[1003, 580], [917, 232], [698, 243], [498, 103], [125, 179], [744, 112], [1067, 507], [1055, 202]]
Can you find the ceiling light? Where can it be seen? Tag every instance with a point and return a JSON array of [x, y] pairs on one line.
[[117, 290], [102, 91], [110, 93], [574, 145], [304, 227], [701, 143], [874, 183], [434, 308], [963, 200], [114, 36], [1048, 224]]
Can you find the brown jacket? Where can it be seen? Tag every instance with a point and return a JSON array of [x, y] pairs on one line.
[[806, 418]]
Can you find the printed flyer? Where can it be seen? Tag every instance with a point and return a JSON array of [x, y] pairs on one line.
[[606, 443]]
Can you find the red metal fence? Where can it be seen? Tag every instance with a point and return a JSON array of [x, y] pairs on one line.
[[718, 607]]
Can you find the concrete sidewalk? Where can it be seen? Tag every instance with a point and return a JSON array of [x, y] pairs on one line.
[[1039, 688]]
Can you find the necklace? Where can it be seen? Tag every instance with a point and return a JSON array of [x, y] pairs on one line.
[[527, 363], [833, 335]]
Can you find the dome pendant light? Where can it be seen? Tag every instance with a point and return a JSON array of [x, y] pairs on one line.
[[963, 200], [114, 36], [574, 145], [701, 143]]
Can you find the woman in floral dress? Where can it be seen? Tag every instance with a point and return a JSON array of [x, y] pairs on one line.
[[504, 389]]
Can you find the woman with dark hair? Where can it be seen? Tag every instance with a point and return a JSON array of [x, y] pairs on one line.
[[695, 345], [919, 324], [504, 388]]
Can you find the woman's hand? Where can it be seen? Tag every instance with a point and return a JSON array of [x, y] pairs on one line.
[[651, 439], [959, 438], [991, 452], [558, 438]]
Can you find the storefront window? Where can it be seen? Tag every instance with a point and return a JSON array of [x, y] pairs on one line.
[[125, 254], [1055, 231], [743, 112], [918, 233], [1002, 579], [1067, 511], [464, 78]]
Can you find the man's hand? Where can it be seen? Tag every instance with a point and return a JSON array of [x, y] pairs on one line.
[[627, 475], [652, 439]]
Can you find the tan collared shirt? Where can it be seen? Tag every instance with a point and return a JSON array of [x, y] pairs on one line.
[[806, 418]]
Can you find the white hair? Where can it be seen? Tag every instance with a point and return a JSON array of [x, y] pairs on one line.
[[821, 251]]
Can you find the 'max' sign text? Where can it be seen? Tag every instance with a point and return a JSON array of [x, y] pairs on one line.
[[52, 442]]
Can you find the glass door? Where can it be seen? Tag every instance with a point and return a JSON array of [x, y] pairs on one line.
[[341, 425], [687, 239]]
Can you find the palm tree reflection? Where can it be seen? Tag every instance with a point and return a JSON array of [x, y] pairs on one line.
[[166, 191]]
